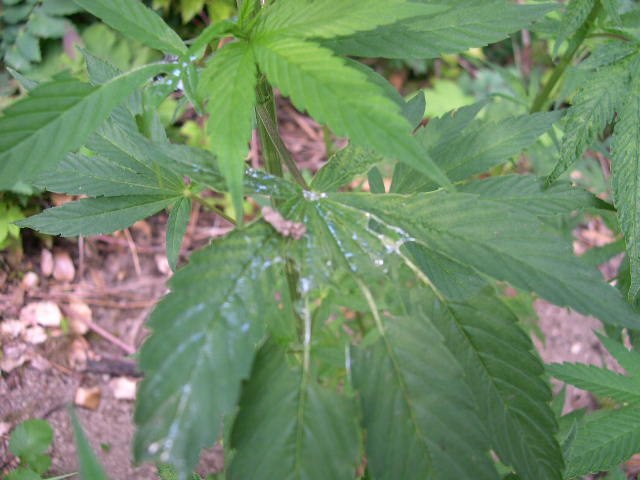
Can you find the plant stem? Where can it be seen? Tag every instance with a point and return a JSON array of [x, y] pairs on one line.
[[266, 112], [210, 204], [576, 42], [275, 151]]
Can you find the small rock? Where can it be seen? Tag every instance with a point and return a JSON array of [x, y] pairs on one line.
[[124, 388], [46, 262], [80, 317], [11, 328], [5, 427], [88, 397], [79, 353], [47, 314], [63, 268], [30, 281], [34, 334], [576, 348], [9, 363]]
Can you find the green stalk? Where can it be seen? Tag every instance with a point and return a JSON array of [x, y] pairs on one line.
[[275, 153], [576, 42], [266, 113], [274, 149], [210, 204]]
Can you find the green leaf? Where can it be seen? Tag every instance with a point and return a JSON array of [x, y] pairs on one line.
[[608, 53], [105, 176], [205, 334], [505, 375], [230, 80], [626, 179], [593, 108], [342, 98], [517, 248], [628, 359], [475, 148], [343, 166], [333, 18], [136, 21], [376, 182], [215, 31], [29, 46], [604, 442], [89, 465], [527, 193], [418, 410], [127, 163], [176, 228], [464, 25], [94, 216], [612, 8], [30, 440], [60, 7], [289, 427], [600, 381], [414, 108], [45, 26], [56, 118], [574, 16], [23, 474]]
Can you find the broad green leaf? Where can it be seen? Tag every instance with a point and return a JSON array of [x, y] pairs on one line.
[[604, 442], [596, 256], [205, 334], [626, 179], [176, 228], [453, 279], [593, 108], [475, 149], [289, 427], [60, 7], [628, 359], [418, 411], [334, 18], [505, 375], [29, 441], [527, 193], [229, 81], [90, 468], [464, 25], [45, 26], [136, 21], [342, 98], [103, 176], [23, 474], [26, 83], [170, 162], [56, 118], [612, 7], [517, 248], [600, 381], [376, 182], [414, 109], [573, 18], [94, 216], [343, 166], [607, 54], [215, 31]]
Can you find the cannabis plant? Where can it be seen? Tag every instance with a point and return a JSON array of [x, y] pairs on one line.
[[339, 334]]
